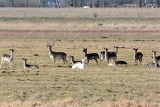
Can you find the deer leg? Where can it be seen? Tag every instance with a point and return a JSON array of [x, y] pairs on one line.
[[53, 61], [140, 60], [96, 61], [64, 61], [100, 61], [114, 63], [108, 61], [1, 63], [10, 63], [87, 61], [4, 64], [135, 60]]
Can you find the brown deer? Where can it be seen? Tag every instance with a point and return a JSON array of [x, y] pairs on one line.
[[56, 55], [7, 58]]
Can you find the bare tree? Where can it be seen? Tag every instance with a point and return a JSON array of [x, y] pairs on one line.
[[42, 3], [105, 3], [27, 3], [82, 3], [158, 3], [140, 3], [12, 3], [55, 3]]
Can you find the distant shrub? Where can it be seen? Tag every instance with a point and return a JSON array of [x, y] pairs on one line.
[[95, 14]]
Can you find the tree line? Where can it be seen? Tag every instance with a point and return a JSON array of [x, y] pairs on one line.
[[80, 3]]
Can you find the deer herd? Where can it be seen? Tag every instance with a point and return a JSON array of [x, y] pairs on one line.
[[109, 56]]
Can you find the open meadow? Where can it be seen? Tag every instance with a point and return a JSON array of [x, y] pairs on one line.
[[28, 31]]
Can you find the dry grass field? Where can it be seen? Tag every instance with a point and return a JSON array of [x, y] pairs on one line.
[[29, 30]]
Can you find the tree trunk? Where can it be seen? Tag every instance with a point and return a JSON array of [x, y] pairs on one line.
[[81, 3], [27, 3], [12, 3], [72, 3], [140, 3], [158, 3]]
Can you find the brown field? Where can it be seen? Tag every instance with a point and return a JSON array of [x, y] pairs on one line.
[[29, 30]]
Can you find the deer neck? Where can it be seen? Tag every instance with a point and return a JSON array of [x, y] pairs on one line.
[[11, 57], [85, 53], [106, 54], [154, 57], [154, 54], [116, 50], [50, 50], [24, 64], [135, 52], [72, 59]]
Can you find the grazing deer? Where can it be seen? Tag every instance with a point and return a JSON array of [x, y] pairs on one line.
[[7, 58], [56, 55], [110, 56], [156, 59], [80, 65], [102, 54], [28, 66], [73, 61], [138, 55], [90, 56]]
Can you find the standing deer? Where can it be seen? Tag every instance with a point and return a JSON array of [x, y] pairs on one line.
[[156, 59], [28, 66], [102, 54], [138, 55], [90, 56], [56, 55], [110, 56], [7, 58]]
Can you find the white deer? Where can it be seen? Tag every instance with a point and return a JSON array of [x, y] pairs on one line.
[[7, 58], [80, 65]]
